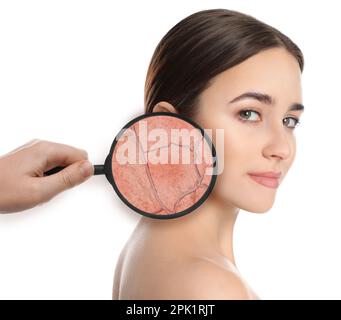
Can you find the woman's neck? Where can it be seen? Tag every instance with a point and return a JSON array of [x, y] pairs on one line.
[[209, 228]]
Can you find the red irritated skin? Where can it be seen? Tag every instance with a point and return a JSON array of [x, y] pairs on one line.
[[161, 187]]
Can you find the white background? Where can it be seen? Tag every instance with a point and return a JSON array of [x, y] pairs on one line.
[[73, 72]]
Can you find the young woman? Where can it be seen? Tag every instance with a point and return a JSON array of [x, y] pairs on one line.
[[222, 69]]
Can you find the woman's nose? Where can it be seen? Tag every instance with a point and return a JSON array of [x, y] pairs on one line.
[[278, 145]]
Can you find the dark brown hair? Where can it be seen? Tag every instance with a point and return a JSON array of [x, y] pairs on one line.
[[200, 47]]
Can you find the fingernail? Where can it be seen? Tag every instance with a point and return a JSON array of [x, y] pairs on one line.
[[86, 169], [85, 153]]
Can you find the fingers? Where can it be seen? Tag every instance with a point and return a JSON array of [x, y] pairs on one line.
[[58, 154], [77, 168], [71, 176], [23, 184]]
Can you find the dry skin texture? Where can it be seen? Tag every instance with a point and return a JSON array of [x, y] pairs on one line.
[[163, 188]]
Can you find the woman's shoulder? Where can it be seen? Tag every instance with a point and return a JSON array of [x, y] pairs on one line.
[[151, 269], [206, 279], [117, 276]]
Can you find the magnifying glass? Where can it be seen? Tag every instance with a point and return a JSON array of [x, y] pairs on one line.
[[162, 165]]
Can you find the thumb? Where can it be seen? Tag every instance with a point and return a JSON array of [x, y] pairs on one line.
[[67, 178]]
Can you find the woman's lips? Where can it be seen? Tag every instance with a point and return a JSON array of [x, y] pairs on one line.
[[265, 181]]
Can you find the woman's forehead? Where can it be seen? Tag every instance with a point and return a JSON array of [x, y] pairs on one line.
[[274, 72]]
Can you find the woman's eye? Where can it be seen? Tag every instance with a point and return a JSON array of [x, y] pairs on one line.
[[254, 116], [247, 115], [294, 122]]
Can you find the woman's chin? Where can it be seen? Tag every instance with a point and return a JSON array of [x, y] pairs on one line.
[[258, 206]]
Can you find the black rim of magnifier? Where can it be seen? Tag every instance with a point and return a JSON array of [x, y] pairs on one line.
[[109, 174]]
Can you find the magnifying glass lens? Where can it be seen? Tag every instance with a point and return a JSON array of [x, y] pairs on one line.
[[162, 165]]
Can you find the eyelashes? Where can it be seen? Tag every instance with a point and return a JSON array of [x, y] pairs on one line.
[[244, 116]]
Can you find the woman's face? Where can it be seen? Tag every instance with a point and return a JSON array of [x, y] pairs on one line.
[[261, 139]]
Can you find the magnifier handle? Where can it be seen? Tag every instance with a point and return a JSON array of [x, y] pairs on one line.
[[99, 169]]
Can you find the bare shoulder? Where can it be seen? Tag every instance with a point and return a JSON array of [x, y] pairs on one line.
[[117, 275], [206, 280]]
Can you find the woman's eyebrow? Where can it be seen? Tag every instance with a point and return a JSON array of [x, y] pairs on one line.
[[265, 98]]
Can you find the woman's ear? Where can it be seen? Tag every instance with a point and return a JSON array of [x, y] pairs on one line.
[[164, 106]]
